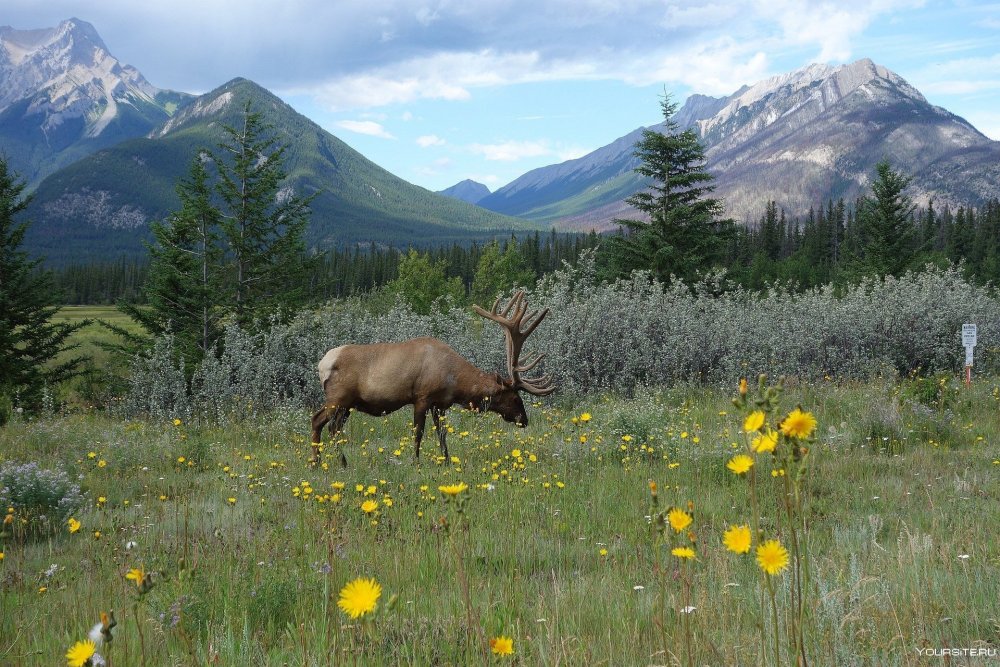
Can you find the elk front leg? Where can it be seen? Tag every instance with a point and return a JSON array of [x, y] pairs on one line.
[[419, 417], [437, 414]]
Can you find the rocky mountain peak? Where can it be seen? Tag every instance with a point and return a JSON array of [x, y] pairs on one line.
[[67, 72], [816, 87]]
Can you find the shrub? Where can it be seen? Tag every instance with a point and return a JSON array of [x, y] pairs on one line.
[[618, 336], [44, 498]]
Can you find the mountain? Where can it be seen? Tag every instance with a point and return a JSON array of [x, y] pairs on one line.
[[65, 96], [100, 206], [798, 139], [468, 191]]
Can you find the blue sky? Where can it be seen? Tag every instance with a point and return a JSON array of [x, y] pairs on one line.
[[439, 91]]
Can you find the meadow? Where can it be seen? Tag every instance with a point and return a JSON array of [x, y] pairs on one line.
[[216, 543]]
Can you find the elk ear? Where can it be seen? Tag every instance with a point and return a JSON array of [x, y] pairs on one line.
[[502, 381]]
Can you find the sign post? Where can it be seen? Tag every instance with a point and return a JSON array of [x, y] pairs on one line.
[[969, 341]]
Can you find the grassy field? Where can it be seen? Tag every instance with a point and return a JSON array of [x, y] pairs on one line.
[[552, 545], [90, 336], [89, 387]]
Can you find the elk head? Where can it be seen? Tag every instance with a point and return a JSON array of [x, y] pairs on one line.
[[517, 324]]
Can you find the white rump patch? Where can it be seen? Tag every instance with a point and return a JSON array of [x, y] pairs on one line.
[[327, 363]]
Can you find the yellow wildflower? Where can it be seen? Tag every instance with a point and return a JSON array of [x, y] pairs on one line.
[[754, 421], [80, 654], [679, 519], [502, 645], [772, 557], [453, 489], [737, 539], [359, 597], [798, 424], [765, 442], [740, 463]]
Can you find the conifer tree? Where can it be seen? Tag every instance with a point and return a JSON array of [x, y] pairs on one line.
[[262, 223], [885, 223], [684, 233], [29, 339], [498, 272], [184, 285]]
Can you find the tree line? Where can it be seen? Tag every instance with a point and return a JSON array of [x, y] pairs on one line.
[[234, 254], [338, 272], [830, 244]]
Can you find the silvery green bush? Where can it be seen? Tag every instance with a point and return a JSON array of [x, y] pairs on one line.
[[37, 493], [613, 336]]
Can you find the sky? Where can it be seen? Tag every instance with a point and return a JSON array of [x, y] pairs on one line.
[[438, 91]]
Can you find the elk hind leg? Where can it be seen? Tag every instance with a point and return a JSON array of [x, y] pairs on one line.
[[319, 420], [438, 415]]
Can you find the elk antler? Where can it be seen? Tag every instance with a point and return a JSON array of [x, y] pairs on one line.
[[514, 316]]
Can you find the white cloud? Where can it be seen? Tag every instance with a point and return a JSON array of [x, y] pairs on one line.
[[961, 76], [714, 68], [369, 127], [987, 122], [511, 151], [572, 153], [428, 140]]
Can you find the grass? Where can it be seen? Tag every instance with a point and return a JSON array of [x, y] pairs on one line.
[[91, 387], [554, 544]]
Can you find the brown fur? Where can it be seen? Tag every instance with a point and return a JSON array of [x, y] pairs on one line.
[[424, 372]]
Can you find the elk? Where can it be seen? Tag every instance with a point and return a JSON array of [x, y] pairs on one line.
[[427, 373]]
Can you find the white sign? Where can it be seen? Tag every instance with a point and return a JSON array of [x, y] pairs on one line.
[[968, 355], [969, 335]]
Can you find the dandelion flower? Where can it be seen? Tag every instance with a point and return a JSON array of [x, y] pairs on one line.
[[502, 645], [765, 442], [798, 424], [359, 597], [743, 386], [73, 524], [136, 574], [585, 417], [683, 552], [80, 654], [369, 506], [754, 421], [772, 557], [740, 463], [453, 489], [737, 539], [679, 519]]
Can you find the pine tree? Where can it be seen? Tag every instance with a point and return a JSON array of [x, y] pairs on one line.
[[184, 284], [684, 233], [262, 222], [29, 339], [498, 272], [886, 225]]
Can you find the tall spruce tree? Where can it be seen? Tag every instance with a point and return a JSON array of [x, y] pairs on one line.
[[29, 339], [182, 292], [683, 233], [262, 223], [885, 223]]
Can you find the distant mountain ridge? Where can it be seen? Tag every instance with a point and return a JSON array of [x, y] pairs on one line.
[[797, 138], [100, 206], [468, 191], [64, 96]]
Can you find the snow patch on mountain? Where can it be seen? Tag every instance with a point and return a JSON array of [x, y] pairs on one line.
[[67, 72]]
